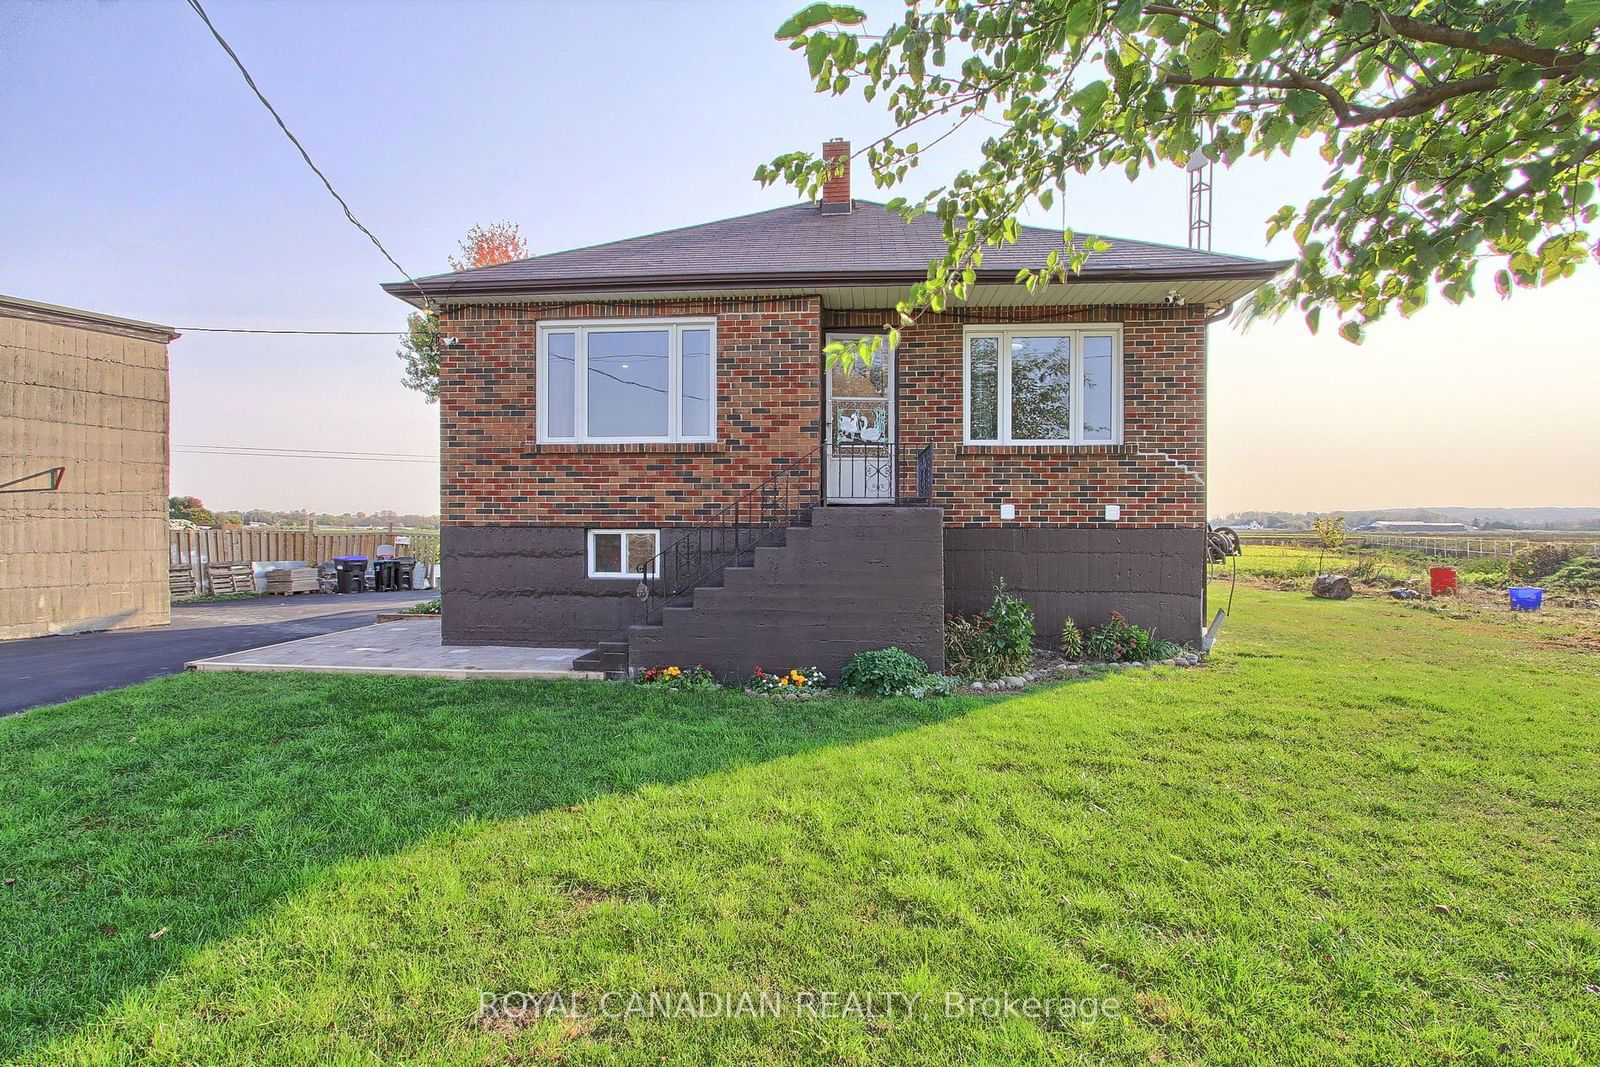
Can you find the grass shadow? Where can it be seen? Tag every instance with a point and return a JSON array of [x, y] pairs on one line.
[[142, 824]]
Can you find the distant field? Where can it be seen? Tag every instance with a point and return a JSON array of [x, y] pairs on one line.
[[1435, 546]]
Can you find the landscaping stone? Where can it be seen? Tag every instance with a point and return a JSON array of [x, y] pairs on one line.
[[1332, 587]]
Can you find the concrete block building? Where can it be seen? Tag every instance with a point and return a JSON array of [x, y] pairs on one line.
[[83, 470]]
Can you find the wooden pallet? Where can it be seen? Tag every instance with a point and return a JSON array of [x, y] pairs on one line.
[[230, 578], [180, 581], [287, 581]]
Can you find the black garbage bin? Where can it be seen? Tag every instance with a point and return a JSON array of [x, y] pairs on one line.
[[405, 571], [383, 575], [351, 572]]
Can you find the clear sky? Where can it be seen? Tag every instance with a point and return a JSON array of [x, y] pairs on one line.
[[139, 177]]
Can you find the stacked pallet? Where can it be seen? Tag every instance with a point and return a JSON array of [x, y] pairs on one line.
[[287, 580], [180, 581], [230, 578]]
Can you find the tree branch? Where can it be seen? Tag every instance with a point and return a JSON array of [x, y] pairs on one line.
[[1354, 115], [1341, 107], [1509, 47]]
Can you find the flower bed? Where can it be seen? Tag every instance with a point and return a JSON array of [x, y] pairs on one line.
[[694, 679], [796, 681]]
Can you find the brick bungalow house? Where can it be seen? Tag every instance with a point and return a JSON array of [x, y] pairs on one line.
[[642, 451]]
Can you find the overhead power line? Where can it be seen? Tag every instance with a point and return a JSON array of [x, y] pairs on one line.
[[198, 10], [305, 453]]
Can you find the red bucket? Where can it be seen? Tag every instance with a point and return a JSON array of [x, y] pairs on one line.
[[1442, 580]]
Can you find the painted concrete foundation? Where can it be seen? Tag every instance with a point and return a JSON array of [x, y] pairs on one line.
[[857, 578], [1155, 577], [529, 585]]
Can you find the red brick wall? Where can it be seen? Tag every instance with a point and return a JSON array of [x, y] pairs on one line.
[[768, 382], [1155, 475], [493, 471]]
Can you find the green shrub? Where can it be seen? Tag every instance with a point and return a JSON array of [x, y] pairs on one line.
[[966, 646], [993, 644], [1119, 641], [427, 607], [1541, 561], [885, 672], [1487, 571], [1580, 575], [932, 685], [1071, 640], [1010, 630], [1163, 649]]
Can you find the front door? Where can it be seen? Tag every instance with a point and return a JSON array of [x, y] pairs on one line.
[[860, 439]]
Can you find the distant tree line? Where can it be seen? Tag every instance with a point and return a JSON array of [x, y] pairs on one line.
[[191, 508], [1483, 519]]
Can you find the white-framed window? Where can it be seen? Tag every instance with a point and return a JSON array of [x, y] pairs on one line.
[[627, 381], [621, 553], [1043, 385]]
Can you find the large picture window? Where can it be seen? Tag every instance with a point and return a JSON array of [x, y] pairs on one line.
[[1043, 385], [625, 382]]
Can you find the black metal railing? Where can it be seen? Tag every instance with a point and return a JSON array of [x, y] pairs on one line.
[[875, 472], [924, 483], [845, 474], [758, 516]]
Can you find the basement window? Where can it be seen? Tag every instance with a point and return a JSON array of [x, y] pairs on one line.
[[622, 553], [627, 381], [1043, 385]]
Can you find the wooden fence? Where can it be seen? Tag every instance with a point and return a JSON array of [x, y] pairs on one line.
[[192, 549]]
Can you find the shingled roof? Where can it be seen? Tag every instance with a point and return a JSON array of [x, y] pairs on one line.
[[798, 246]]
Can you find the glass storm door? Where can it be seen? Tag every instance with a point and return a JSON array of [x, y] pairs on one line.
[[860, 429]]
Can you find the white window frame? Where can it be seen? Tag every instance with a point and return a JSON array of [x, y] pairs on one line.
[[582, 328], [655, 536], [1004, 333]]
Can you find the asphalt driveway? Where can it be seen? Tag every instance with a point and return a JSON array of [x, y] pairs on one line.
[[48, 670]]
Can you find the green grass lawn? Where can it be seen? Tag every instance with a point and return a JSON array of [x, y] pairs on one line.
[[1362, 834]]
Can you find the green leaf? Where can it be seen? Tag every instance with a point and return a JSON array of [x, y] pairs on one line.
[[1263, 42], [1352, 332], [819, 46], [1169, 29], [1089, 102], [1205, 54], [819, 15]]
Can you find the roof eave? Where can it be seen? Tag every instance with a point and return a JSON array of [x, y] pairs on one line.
[[1261, 271]]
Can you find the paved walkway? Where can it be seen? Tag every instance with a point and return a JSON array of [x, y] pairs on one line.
[[49, 670], [410, 647]]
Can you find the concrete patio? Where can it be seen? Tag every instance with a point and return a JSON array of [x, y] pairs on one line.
[[412, 647]]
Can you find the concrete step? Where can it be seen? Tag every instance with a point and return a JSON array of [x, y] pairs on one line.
[[610, 658]]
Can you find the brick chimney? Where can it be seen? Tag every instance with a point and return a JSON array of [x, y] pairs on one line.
[[836, 190]]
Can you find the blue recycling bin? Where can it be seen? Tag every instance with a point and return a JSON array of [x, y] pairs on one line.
[[1526, 597]]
